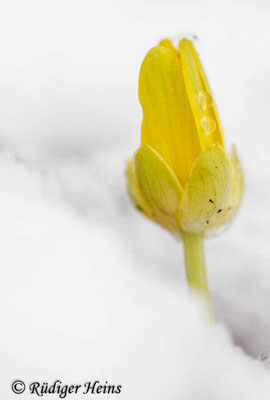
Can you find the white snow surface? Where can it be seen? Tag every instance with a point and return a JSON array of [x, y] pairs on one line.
[[89, 289]]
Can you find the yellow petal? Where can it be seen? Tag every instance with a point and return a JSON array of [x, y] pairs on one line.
[[208, 191], [158, 184], [200, 97], [168, 125], [168, 43]]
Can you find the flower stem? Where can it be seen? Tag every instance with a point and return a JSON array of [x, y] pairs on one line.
[[195, 267]]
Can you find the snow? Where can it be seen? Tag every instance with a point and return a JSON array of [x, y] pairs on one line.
[[89, 289]]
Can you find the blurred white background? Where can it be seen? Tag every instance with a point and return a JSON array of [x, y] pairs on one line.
[[89, 289]]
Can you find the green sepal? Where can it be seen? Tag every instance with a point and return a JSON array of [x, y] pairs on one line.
[[208, 191], [132, 185], [158, 185], [225, 218]]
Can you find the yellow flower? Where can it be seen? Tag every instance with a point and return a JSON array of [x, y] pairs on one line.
[[181, 176]]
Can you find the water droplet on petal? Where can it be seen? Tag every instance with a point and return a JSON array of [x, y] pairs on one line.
[[205, 100], [208, 125]]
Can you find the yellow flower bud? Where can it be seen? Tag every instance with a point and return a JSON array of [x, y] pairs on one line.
[[182, 177]]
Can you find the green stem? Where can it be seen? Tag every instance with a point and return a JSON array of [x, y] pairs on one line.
[[195, 267]]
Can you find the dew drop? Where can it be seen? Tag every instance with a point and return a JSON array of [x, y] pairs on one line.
[[208, 125], [205, 100]]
